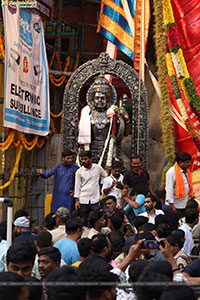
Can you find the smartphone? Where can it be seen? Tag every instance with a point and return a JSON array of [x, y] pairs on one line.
[[150, 244], [119, 185], [109, 211]]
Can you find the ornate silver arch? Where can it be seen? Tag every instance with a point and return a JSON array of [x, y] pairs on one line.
[[105, 65]]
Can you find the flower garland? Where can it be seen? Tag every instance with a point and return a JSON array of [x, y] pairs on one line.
[[16, 144], [2, 50], [52, 125], [165, 119], [21, 140], [14, 169], [41, 142], [5, 145], [58, 81], [28, 145], [180, 97], [76, 63], [56, 116], [176, 52], [112, 140], [59, 115]]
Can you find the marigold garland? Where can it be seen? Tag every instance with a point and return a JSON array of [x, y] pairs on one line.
[[183, 63], [8, 139], [58, 115], [40, 143], [2, 50], [18, 157], [176, 88], [16, 144], [76, 62], [165, 119], [174, 45], [28, 145], [52, 125], [58, 81]]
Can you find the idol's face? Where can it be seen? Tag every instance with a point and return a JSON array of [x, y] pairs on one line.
[[100, 100]]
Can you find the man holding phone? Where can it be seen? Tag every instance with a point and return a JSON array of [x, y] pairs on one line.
[[113, 184], [150, 247]]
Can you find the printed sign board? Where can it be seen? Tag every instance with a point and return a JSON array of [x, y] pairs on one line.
[[26, 100]]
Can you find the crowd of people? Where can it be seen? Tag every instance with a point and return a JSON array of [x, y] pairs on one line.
[[105, 231]]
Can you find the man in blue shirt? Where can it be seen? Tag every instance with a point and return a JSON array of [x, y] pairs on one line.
[[64, 182], [134, 202], [68, 245]]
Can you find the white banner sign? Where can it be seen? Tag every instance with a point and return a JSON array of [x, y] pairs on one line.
[[26, 101]]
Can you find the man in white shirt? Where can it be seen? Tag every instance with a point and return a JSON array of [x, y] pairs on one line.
[[113, 184], [62, 215], [191, 219], [151, 213], [87, 185], [179, 184]]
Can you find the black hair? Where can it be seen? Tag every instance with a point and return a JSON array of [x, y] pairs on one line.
[[149, 292], [109, 197], [162, 267], [44, 238], [94, 292], [99, 242], [67, 152], [87, 153], [163, 230], [161, 219], [76, 213], [191, 215], [66, 274], [132, 192], [21, 213], [49, 221], [139, 221], [117, 219], [183, 156], [94, 216], [178, 293], [174, 239], [136, 268], [116, 164], [144, 235], [10, 291], [135, 156], [192, 204], [3, 230], [160, 194], [52, 252], [73, 225], [148, 227], [179, 233], [158, 204], [35, 291], [84, 246], [152, 197], [21, 252]]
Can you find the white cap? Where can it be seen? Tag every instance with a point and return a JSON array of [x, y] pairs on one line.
[[22, 222]]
